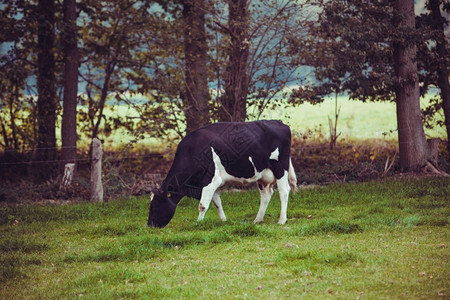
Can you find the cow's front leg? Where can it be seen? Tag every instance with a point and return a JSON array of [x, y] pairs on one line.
[[209, 190], [218, 203], [266, 193], [207, 195], [283, 189]]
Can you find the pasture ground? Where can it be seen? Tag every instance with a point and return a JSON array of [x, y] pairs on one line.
[[376, 240]]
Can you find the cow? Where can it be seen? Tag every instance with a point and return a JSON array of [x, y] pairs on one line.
[[226, 153]]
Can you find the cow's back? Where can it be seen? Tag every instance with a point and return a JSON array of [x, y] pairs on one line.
[[235, 143]]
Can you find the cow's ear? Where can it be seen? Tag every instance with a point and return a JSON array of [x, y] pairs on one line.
[[157, 192]]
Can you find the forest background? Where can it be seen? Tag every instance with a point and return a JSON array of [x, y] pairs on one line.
[[178, 65]]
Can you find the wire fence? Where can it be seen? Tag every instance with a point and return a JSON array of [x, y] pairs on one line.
[[119, 155], [25, 156], [30, 162]]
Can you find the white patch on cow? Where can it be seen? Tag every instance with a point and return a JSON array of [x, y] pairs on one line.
[[251, 161], [275, 154], [292, 176], [283, 189], [265, 178], [218, 203], [209, 190], [266, 194]]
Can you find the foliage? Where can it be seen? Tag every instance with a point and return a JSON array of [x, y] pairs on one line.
[[376, 240], [124, 45], [349, 46], [268, 67], [431, 61], [17, 64], [131, 53], [123, 52]]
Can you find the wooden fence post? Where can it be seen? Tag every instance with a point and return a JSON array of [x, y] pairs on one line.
[[69, 171], [96, 171]]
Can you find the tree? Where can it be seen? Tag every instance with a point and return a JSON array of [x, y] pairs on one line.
[[349, 47], [413, 146], [70, 50], [433, 61], [14, 70], [349, 50], [111, 37], [252, 64], [46, 103], [196, 95], [233, 103], [356, 48]]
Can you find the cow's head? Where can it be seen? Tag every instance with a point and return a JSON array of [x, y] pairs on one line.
[[162, 208]]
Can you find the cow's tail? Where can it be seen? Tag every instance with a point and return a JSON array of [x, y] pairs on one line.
[[292, 176]]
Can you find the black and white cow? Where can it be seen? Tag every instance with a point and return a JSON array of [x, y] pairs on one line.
[[223, 153]]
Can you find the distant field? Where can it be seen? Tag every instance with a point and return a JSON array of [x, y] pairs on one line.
[[357, 120]]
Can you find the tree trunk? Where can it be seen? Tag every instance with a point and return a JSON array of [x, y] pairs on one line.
[[103, 95], [438, 25], [411, 136], [69, 119], [196, 58], [46, 103], [234, 106]]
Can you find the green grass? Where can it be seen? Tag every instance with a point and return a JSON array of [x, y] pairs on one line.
[[377, 240]]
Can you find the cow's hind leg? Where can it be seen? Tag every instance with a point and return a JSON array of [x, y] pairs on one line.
[[283, 189], [266, 193], [218, 203]]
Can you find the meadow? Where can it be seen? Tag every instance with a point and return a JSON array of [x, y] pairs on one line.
[[357, 121], [376, 240]]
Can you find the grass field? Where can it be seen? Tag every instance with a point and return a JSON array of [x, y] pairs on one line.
[[377, 240], [357, 120]]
